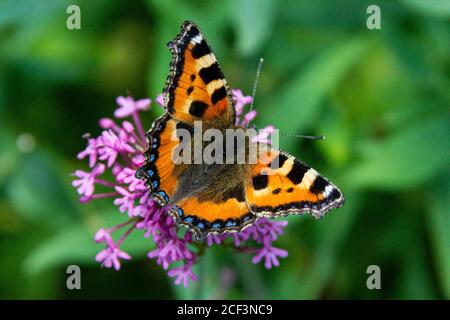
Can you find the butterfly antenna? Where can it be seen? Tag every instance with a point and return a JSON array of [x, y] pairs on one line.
[[304, 137], [255, 84]]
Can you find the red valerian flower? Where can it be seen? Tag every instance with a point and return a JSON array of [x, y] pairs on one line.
[[119, 148]]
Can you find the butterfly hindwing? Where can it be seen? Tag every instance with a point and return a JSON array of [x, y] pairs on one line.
[[211, 199], [279, 184], [210, 217], [196, 88]]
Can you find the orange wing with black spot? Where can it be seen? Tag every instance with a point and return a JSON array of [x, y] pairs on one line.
[[196, 88], [159, 171], [279, 184], [205, 217], [213, 199]]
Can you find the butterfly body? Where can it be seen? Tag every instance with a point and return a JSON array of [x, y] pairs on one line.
[[226, 195]]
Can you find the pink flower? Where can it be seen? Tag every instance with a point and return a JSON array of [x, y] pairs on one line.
[[160, 100], [161, 260], [240, 101], [126, 202], [265, 228], [128, 176], [106, 123], [85, 183], [109, 257], [138, 160], [249, 116], [213, 238], [128, 106], [103, 235], [120, 149], [91, 151], [176, 249], [270, 254], [183, 274], [263, 136], [113, 145], [275, 228]]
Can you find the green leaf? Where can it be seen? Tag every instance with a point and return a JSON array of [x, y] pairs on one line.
[[439, 224], [436, 8], [37, 191], [29, 11], [331, 232], [303, 94], [416, 280], [72, 246], [253, 26], [76, 245], [405, 159], [9, 156]]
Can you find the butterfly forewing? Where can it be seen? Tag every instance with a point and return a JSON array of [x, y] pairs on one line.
[[196, 88]]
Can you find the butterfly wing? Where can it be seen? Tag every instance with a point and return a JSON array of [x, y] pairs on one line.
[[279, 184], [196, 88], [213, 200], [159, 171]]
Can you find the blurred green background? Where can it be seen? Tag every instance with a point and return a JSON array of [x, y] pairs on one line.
[[381, 97]]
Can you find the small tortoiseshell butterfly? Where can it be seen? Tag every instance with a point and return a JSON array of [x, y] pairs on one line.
[[218, 198]]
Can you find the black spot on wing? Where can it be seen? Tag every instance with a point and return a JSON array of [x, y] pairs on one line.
[[200, 49], [334, 195], [278, 161], [276, 191], [297, 172], [193, 77], [210, 73], [197, 108], [218, 95], [189, 90], [260, 182], [193, 30], [319, 185]]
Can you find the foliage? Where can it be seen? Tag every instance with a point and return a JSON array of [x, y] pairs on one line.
[[379, 96]]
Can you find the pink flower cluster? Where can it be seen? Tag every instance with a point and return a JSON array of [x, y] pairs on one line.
[[120, 149]]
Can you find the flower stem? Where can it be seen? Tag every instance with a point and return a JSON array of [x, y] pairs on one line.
[[105, 195], [126, 160], [105, 183], [138, 123], [127, 233], [198, 293], [120, 225]]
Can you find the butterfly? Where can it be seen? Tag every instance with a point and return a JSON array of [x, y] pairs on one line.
[[220, 198]]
